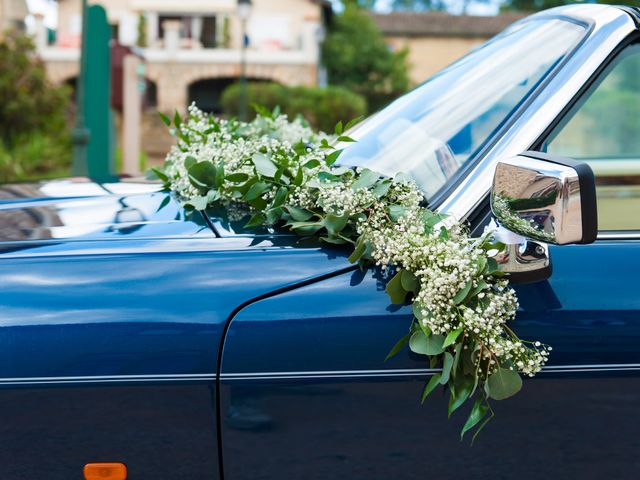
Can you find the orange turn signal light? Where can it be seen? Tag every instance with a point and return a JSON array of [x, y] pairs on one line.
[[105, 471]]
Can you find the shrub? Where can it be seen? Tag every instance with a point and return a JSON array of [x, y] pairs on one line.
[[37, 155], [321, 107], [34, 135]]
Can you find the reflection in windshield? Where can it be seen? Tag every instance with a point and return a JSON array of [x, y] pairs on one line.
[[431, 132]]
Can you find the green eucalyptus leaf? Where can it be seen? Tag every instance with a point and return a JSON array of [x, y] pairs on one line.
[[177, 119], [332, 157], [504, 383], [198, 202], [452, 337], [280, 197], [492, 266], [256, 220], [237, 177], [365, 180], [382, 188], [160, 175], [164, 119], [335, 224], [256, 190], [203, 175], [305, 228], [398, 346], [164, 203], [189, 162], [447, 363], [482, 264], [299, 178], [434, 381], [264, 165], [311, 164], [338, 128], [478, 288], [274, 215], [462, 294], [328, 177], [352, 122], [460, 393], [409, 281], [358, 251], [478, 412], [345, 138], [299, 214], [395, 290], [396, 212], [334, 240], [426, 345], [457, 354]]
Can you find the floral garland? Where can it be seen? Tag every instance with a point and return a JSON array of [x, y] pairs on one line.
[[285, 174]]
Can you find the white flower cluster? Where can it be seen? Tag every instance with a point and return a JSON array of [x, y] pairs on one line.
[[445, 266], [234, 143]]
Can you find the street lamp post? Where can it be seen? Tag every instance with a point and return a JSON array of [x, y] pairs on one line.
[[244, 11], [80, 134]]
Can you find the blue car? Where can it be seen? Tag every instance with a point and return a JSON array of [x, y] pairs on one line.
[[184, 346]]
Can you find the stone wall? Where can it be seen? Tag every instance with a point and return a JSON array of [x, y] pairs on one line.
[[429, 55], [173, 79]]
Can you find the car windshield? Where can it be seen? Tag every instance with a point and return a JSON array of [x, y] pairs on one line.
[[433, 131]]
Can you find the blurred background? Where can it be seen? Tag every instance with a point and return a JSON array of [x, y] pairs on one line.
[[326, 60]]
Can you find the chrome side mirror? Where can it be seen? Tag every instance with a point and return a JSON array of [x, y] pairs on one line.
[[544, 198]]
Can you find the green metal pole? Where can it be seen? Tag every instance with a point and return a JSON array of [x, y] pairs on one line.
[[80, 133], [243, 73]]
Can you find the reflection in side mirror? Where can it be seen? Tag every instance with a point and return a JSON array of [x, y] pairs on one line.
[[546, 198]]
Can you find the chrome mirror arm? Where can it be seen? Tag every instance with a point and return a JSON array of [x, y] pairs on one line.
[[525, 260]]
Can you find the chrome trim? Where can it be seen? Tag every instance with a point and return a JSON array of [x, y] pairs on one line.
[[26, 381], [211, 377], [618, 236], [408, 372], [610, 26]]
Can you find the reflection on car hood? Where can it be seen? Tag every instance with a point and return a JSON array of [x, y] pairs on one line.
[[79, 209]]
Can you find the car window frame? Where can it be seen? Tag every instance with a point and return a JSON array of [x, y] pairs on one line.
[[576, 102]]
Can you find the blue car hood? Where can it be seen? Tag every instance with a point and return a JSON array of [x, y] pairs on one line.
[[78, 209]]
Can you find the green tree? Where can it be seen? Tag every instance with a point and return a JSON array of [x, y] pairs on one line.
[[141, 41], [418, 5], [536, 5], [32, 111], [357, 57]]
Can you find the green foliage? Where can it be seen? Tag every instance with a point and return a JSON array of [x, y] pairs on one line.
[[36, 155], [34, 138], [357, 57], [141, 40], [226, 32], [321, 107]]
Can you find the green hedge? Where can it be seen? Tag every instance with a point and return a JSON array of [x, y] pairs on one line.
[[321, 107]]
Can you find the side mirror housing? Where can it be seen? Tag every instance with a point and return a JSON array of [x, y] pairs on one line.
[[541, 198], [547, 198]]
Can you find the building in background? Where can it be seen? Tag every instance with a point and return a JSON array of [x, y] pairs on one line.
[[192, 47], [436, 39], [12, 14]]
